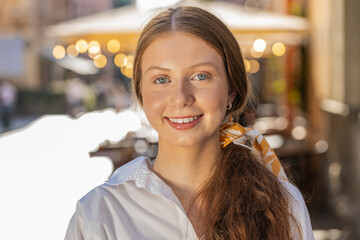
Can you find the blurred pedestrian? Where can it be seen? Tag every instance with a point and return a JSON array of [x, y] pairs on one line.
[[119, 98], [212, 178], [8, 96], [75, 94]]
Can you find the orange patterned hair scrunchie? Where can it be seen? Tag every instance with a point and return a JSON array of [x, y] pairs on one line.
[[231, 132]]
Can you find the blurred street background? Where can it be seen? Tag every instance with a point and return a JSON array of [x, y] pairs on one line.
[[68, 118]]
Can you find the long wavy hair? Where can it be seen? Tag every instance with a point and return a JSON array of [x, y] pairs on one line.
[[242, 199]]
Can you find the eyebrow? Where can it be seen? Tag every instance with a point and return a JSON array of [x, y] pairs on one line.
[[208, 64], [157, 68]]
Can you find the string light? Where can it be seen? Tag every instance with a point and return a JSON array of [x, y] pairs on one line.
[[94, 47], [81, 46], [254, 66], [278, 49], [59, 52], [72, 51], [259, 45], [100, 61], [130, 59], [113, 46], [120, 60], [255, 53], [93, 55], [127, 70]]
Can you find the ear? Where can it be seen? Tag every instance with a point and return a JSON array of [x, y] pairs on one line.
[[231, 95]]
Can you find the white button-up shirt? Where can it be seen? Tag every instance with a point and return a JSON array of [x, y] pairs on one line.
[[136, 204]]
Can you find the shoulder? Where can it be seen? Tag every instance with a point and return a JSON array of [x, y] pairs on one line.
[[299, 211], [103, 204], [293, 192], [127, 173], [296, 200]]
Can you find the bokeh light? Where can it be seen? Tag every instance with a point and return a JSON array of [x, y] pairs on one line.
[[94, 47], [299, 132], [254, 66], [299, 121], [127, 70], [130, 59], [93, 55], [59, 52], [81, 46], [72, 51], [120, 60], [278, 49], [281, 123], [275, 141], [113, 46], [100, 61], [334, 169], [141, 146], [255, 53], [321, 146], [259, 45], [261, 126]]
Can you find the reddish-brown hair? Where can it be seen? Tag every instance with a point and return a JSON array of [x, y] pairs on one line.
[[242, 199]]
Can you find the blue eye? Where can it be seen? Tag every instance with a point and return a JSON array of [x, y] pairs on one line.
[[201, 76], [161, 80]]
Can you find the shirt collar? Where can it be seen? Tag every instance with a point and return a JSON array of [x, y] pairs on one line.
[[138, 171], [135, 170]]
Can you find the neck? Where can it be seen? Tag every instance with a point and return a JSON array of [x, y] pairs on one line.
[[185, 169]]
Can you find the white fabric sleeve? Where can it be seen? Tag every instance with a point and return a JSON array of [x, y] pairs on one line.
[[300, 213], [75, 230]]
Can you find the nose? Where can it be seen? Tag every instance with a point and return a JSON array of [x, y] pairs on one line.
[[182, 94]]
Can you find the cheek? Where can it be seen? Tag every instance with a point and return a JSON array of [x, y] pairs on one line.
[[153, 105], [216, 100]]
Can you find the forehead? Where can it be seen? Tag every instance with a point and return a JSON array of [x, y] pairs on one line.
[[180, 48]]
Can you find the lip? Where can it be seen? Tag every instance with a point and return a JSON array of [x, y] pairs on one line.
[[184, 126]]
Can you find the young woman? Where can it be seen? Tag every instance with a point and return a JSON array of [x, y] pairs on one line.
[[212, 178]]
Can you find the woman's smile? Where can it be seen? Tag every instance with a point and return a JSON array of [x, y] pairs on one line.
[[184, 123]]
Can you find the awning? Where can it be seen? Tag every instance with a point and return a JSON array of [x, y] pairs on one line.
[[125, 23]]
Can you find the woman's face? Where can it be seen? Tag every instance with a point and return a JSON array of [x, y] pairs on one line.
[[184, 88]]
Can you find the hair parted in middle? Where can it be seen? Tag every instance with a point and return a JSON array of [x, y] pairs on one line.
[[241, 199]]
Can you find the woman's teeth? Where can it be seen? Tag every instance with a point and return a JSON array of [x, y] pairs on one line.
[[183, 120]]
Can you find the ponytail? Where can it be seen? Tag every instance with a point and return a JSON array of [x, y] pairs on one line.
[[244, 200]]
